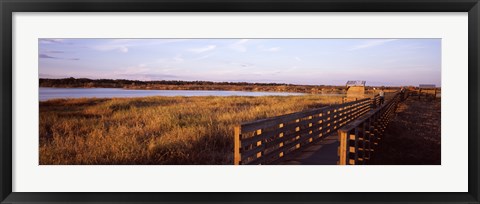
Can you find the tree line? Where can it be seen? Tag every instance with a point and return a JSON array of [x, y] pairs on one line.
[[186, 85]]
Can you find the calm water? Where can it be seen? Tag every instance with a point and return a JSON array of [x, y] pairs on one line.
[[51, 93]]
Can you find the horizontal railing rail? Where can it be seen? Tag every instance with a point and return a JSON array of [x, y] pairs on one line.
[[358, 138], [268, 140]]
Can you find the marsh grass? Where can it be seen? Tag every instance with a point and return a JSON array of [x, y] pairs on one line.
[[154, 130]]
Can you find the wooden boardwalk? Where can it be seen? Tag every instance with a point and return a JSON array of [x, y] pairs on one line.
[[271, 140], [338, 134], [327, 151], [323, 152]]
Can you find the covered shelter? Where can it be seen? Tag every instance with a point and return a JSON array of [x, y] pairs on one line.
[[427, 90], [355, 90]]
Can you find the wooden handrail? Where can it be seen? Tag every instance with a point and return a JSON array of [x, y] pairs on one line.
[[358, 138], [268, 140]]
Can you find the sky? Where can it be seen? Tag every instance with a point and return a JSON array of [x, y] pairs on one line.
[[379, 62]]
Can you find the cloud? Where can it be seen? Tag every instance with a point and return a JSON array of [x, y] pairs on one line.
[[413, 46], [178, 58], [273, 49], [242, 41], [239, 45], [124, 45], [268, 49], [130, 76], [243, 65], [168, 61], [203, 49], [55, 51], [371, 43], [119, 45], [123, 49], [119, 48], [202, 57], [154, 77], [293, 68], [51, 41], [45, 56], [298, 59], [52, 76], [139, 69], [247, 65], [266, 73], [140, 72], [168, 69]]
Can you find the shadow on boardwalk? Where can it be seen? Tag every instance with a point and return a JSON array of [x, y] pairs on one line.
[[323, 152], [413, 136]]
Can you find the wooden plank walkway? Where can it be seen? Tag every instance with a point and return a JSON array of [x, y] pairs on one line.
[[323, 152], [307, 137], [272, 140]]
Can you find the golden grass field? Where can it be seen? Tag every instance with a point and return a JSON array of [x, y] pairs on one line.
[[155, 130]]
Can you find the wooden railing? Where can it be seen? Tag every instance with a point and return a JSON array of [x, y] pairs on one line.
[[268, 141], [376, 101], [358, 138]]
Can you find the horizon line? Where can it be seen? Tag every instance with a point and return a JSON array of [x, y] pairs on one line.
[[237, 82]]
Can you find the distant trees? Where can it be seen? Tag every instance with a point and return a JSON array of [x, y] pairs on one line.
[[185, 85]]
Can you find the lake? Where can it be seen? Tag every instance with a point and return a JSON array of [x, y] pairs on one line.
[[53, 93]]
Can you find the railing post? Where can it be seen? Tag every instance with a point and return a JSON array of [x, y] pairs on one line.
[[237, 157], [372, 105], [366, 140], [376, 131], [361, 135], [342, 149]]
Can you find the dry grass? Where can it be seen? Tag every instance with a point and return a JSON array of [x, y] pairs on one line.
[[154, 130]]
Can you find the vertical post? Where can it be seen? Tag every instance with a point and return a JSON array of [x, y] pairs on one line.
[[368, 137], [342, 149], [361, 143], [357, 141], [237, 157], [352, 148], [374, 103], [376, 130], [371, 139]]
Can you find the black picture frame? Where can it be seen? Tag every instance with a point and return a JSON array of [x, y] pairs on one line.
[[7, 8]]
